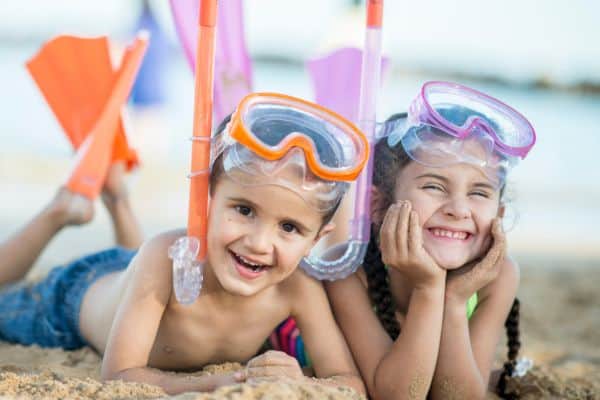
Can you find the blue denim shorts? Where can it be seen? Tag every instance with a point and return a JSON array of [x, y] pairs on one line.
[[46, 313]]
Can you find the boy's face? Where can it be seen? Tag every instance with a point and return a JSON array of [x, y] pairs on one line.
[[257, 235], [456, 206]]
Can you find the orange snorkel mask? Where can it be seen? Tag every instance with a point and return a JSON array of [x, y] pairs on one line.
[[270, 133]]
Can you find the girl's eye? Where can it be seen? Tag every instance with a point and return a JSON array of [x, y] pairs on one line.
[[481, 194], [434, 187], [289, 227], [244, 210]]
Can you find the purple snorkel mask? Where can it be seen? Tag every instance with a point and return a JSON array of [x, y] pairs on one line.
[[449, 123]]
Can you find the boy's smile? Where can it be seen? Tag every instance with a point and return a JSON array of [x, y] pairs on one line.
[[258, 235], [247, 268]]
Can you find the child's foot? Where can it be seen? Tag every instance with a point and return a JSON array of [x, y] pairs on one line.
[[68, 208], [114, 189]]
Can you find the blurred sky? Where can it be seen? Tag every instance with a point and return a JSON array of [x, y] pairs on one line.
[[518, 40], [515, 42]]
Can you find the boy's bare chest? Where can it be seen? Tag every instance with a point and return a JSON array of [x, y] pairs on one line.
[[190, 340]]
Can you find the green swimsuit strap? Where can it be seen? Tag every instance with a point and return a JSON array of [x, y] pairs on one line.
[[471, 305]]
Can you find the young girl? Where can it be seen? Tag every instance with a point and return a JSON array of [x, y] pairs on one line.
[[264, 217], [435, 288]]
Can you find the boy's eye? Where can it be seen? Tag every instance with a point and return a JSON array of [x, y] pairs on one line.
[[289, 227], [244, 210]]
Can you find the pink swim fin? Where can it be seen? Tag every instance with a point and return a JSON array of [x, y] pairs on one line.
[[233, 68], [339, 91]]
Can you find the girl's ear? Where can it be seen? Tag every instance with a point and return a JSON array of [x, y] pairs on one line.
[[378, 208], [501, 210]]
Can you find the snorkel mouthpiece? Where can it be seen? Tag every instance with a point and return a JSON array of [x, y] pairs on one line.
[[187, 270]]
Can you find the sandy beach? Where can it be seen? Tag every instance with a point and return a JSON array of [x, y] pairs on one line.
[[560, 321]]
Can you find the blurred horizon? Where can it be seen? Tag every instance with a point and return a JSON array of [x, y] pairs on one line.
[[557, 188]]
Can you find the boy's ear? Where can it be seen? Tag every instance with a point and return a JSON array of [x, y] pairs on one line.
[[328, 227]]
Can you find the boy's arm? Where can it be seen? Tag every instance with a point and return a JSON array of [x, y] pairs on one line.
[[467, 347], [400, 369], [137, 321], [324, 341]]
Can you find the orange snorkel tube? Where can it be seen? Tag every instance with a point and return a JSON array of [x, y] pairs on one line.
[[203, 107], [189, 252]]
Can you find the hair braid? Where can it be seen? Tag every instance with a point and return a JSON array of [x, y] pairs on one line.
[[514, 344], [379, 289]]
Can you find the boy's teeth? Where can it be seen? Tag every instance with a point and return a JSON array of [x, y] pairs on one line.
[[450, 234], [249, 262]]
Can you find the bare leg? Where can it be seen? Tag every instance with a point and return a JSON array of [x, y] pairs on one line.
[[21, 250], [116, 199]]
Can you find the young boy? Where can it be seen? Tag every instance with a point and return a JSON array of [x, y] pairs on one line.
[[264, 217]]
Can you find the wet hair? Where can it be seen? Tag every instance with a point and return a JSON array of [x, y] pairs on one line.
[[387, 164], [325, 149]]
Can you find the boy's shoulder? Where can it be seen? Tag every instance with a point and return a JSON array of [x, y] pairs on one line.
[[152, 263], [300, 288]]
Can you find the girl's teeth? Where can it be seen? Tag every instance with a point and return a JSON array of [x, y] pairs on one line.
[[450, 234]]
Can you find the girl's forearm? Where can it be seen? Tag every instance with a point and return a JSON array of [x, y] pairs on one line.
[[175, 383], [407, 370], [457, 375]]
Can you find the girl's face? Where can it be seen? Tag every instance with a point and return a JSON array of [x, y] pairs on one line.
[[257, 235], [456, 206]]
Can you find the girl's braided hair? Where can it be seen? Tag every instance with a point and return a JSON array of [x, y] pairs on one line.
[[388, 161]]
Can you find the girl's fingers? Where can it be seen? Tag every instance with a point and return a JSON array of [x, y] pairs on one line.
[[498, 249], [415, 237], [402, 228], [487, 269], [387, 233]]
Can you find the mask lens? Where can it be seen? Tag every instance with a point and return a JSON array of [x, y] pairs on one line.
[[274, 124]]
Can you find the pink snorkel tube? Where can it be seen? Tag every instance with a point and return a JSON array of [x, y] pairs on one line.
[[189, 252], [356, 246]]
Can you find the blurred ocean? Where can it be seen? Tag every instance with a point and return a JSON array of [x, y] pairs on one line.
[[556, 190]]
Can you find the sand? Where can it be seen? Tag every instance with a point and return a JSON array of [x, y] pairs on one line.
[[560, 326]]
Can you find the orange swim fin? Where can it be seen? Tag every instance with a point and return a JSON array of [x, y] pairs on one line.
[[76, 77]]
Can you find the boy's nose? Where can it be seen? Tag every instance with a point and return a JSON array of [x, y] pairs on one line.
[[457, 208], [259, 240]]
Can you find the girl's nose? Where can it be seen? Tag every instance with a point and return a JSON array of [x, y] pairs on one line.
[[457, 208]]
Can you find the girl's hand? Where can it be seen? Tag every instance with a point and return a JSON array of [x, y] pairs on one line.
[[463, 282], [401, 246], [272, 365]]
